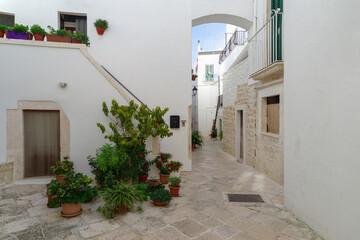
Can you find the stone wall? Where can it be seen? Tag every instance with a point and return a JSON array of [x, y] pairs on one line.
[[6, 173], [264, 152]]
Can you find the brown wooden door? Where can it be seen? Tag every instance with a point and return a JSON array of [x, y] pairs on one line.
[[42, 141]]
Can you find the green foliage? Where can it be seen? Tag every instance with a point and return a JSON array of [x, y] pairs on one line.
[[221, 134], [130, 125], [142, 188], [81, 37], [74, 188], [164, 165], [174, 181], [91, 192], [53, 203], [101, 23], [107, 164], [59, 32], [161, 196], [63, 167], [196, 138], [37, 29], [19, 28], [213, 133], [3, 27], [120, 195], [53, 186]]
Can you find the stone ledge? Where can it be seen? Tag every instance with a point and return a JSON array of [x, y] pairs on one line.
[[274, 71], [41, 43]]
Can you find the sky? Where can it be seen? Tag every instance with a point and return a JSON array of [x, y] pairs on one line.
[[211, 36]]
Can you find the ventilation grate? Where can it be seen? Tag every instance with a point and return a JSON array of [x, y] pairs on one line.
[[246, 198]]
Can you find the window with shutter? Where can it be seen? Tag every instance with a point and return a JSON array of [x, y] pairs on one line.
[[276, 35]]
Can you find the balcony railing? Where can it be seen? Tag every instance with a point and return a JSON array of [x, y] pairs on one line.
[[238, 38], [265, 47]]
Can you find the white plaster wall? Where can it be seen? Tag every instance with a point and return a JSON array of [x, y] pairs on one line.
[[322, 115], [33, 73]]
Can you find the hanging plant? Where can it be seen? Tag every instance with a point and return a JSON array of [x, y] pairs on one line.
[[101, 25]]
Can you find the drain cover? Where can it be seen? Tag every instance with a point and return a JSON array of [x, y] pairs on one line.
[[247, 198]]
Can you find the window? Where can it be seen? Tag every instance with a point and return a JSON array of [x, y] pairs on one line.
[[7, 19], [209, 72], [74, 22], [271, 120]]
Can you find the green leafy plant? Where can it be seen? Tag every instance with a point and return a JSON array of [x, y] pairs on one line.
[[120, 195], [129, 127], [53, 203], [143, 189], [37, 29], [101, 23], [59, 32], [221, 134], [3, 27], [52, 188], [196, 138], [213, 133], [164, 165], [174, 181], [81, 37], [91, 193], [161, 196], [19, 28], [63, 167], [107, 164], [74, 188]]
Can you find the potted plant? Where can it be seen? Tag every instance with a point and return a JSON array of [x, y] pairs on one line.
[[213, 133], [221, 134], [59, 35], [3, 28], [101, 25], [52, 187], [91, 193], [144, 172], [61, 168], [119, 198], [18, 31], [196, 139], [165, 166], [38, 32], [78, 37], [72, 193], [160, 197], [174, 186], [194, 76]]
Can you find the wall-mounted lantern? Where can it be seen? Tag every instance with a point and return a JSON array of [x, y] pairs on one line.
[[194, 90]]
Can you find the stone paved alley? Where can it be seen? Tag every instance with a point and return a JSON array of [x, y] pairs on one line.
[[201, 212]]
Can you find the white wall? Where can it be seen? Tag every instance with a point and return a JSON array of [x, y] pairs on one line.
[[23, 78], [322, 115]]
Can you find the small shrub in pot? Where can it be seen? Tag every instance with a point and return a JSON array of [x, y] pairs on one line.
[[174, 186], [38, 32], [160, 197], [61, 168], [60, 35], [18, 31], [101, 25]]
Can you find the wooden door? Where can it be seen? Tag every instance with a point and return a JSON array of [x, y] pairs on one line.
[[42, 142]]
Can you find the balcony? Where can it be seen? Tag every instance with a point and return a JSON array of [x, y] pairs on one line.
[[238, 38], [266, 50]]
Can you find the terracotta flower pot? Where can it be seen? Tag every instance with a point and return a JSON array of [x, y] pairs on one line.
[[121, 209], [143, 178], [193, 146], [71, 209], [30, 36], [76, 41], [60, 178], [39, 37], [164, 178], [2, 33], [57, 38], [174, 191], [100, 30], [49, 196], [159, 203]]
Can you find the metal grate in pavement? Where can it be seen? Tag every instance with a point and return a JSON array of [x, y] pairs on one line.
[[246, 198]]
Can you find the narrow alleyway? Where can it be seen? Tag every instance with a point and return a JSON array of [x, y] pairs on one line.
[[202, 211]]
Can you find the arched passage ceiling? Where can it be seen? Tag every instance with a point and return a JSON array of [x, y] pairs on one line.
[[235, 12]]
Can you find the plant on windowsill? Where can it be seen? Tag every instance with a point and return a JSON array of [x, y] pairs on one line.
[[3, 28], [196, 139], [72, 193], [61, 168], [119, 198], [38, 32], [60, 35], [101, 25], [78, 37], [18, 31], [160, 197], [174, 186], [165, 166]]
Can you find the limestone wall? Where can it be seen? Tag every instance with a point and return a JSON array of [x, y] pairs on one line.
[[6, 173]]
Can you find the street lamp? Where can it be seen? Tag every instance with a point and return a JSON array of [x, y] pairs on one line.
[[194, 91]]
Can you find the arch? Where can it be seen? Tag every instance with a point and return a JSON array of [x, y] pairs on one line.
[[223, 18]]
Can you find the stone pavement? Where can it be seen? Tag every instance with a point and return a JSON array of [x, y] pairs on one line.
[[202, 212]]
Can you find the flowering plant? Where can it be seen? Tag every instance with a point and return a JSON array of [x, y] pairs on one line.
[[164, 165], [213, 133], [101, 23]]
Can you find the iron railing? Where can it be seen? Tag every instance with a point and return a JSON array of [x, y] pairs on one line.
[[238, 38], [265, 47]]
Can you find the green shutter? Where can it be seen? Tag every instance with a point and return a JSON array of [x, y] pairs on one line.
[[275, 4]]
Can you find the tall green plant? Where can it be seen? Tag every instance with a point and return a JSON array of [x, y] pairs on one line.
[[196, 138]]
